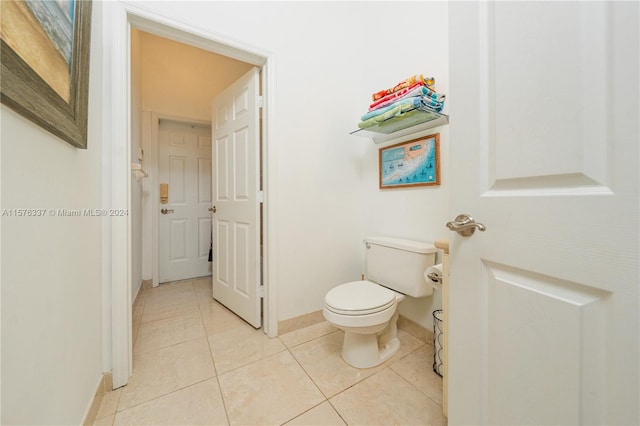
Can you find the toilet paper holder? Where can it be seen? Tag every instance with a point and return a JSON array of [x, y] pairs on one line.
[[434, 277]]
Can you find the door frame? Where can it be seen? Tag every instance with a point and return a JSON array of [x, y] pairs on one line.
[[118, 18]]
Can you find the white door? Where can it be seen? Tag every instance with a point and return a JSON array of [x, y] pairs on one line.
[[184, 164], [236, 182], [543, 309]]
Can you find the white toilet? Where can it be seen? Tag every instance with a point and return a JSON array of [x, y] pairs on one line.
[[367, 310]]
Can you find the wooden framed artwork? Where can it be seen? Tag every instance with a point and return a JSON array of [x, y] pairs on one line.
[[411, 163], [45, 64]]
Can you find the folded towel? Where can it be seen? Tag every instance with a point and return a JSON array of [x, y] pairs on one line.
[[399, 109], [433, 107], [393, 112], [416, 101], [408, 82], [416, 90], [412, 100]]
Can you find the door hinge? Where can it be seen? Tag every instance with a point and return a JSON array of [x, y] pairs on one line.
[[260, 102], [261, 292], [260, 196]]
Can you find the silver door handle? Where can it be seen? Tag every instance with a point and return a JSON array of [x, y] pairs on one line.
[[465, 225], [212, 209], [165, 211]]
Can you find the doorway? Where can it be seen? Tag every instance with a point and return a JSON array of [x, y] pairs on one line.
[[172, 86], [118, 19]]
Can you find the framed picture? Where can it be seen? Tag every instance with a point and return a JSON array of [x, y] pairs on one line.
[[412, 163], [45, 64]]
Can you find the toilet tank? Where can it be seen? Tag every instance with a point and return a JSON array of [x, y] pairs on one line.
[[399, 264]]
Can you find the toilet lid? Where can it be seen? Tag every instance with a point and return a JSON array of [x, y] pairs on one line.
[[359, 298]]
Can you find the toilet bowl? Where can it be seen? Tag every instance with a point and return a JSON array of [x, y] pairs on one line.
[[367, 313], [367, 310]]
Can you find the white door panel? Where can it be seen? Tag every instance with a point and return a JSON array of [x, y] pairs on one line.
[[235, 147], [184, 156], [543, 306]]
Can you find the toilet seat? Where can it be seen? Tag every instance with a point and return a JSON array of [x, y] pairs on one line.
[[359, 298]]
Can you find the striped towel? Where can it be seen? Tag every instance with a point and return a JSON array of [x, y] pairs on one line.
[[408, 82], [398, 109], [416, 90]]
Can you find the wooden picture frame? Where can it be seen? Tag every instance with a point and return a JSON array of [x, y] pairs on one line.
[[34, 62], [411, 163]]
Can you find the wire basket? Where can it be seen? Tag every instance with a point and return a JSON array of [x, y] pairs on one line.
[[438, 341]]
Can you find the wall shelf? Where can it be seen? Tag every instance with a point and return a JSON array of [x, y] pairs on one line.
[[413, 121]]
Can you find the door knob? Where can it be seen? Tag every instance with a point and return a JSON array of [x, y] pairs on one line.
[[212, 209], [165, 211], [465, 225]]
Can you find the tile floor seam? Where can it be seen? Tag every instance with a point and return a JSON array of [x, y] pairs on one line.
[[303, 413], [419, 390], [169, 346], [117, 403], [215, 369], [164, 348], [310, 340], [359, 382], [338, 412], [161, 319], [143, 302], [187, 314], [252, 362], [414, 386], [169, 316], [308, 375], [161, 396], [201, 303]]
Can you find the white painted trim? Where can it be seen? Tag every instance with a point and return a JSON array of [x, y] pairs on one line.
[[269, 224], [163, 26], [155, 124], [116, 139], [117, 20]]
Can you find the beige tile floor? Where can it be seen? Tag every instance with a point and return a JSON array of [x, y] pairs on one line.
[[195, 362]]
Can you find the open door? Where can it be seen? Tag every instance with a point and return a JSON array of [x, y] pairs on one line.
[[544, 304], [235, 209]]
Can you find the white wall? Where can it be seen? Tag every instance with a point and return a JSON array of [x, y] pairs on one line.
[[51, 268], [415, 213], [329, 58]]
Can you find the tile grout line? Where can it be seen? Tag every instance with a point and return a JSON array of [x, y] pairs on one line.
[[312, 381], [176, 390], [215, 369], [200, 304]]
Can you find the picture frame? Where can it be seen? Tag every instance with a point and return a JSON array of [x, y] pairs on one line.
[[45, 64], [410, 163]]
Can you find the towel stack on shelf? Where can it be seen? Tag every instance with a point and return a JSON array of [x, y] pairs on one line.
[[412, 93]]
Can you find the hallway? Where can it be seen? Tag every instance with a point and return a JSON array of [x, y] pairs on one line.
[[195, 362]]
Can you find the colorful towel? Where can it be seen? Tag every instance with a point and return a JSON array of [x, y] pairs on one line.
[[429, 81], [393, 112], [398, 109], [412, 100], [416, 90]]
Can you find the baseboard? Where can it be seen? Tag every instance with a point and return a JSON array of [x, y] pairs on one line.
[[405, 324], [416, 330], [302, 321], [147, 284], [104, 385]]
